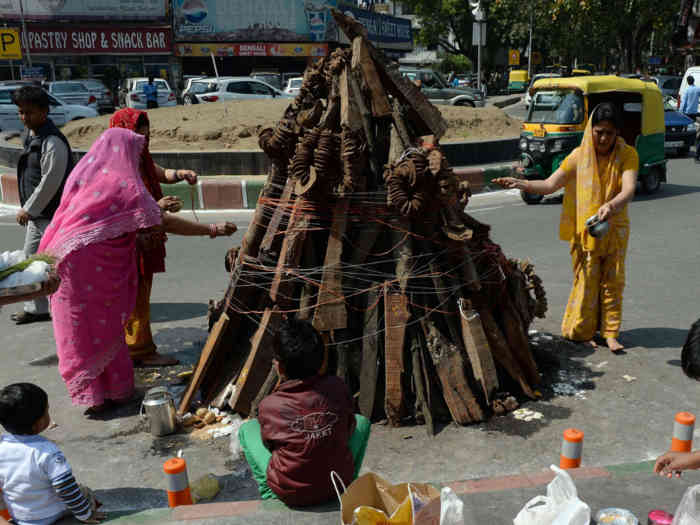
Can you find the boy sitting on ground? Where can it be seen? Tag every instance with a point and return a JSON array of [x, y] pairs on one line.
[[306, 428], [675, 462], [36, 480]]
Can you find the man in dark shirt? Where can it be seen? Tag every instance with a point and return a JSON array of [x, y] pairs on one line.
[[306, 428], [42, 170]]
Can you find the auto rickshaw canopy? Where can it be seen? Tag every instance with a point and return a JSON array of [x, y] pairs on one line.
[[652, 100], [518, 75]]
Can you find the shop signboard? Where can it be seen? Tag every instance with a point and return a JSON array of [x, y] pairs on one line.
[[10, 48], [251, 49], [253, 20], [72, 10], [114, 40], [386, 32]]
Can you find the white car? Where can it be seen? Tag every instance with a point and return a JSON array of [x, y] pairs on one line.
[[60, 112], [294, 86], [233, 88], [134, 97]]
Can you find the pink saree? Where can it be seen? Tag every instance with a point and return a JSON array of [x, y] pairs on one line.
[[93, 237]]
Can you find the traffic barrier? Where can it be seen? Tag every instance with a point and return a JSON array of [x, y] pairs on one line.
[[571, 449], [683, 428], [178, 484], [4, 513]]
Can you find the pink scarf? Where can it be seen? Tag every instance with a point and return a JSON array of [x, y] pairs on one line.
[[104, 197]]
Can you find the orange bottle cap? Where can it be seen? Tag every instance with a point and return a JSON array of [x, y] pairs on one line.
[[685, 418], [573, 435], [174, 466]]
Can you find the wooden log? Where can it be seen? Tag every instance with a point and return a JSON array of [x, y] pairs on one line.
[[268, 386], [518, 342], [277, 219], [420, 381], [349, 111], [257, 366], [426, 117], [450, 364], [502, 352], [396, 315], [401, 129], [290, 253], [366, 119], [331, 312], [362, 63], [369, 373], [205, 358], [478, 350]]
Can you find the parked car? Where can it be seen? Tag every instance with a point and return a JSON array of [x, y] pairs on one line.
[[528, 96], [294, 86], [669, 85], [134, 97], [438, 92], [185, 96], [273, 78], [60, 112], [233, 88], [287, 76], [680, 129], [105, 101], [72, 92]]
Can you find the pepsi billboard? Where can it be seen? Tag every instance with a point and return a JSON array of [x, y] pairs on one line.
[[254, 21]]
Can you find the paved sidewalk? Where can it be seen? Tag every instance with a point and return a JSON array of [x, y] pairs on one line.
[[490, 500]]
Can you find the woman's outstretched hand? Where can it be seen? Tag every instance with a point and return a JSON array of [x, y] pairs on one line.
[[170, 203], [511, 183], [225, 229], [605, 211]]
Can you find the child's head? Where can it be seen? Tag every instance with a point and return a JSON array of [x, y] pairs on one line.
[[24, 409], [299, 349], [690, 356]]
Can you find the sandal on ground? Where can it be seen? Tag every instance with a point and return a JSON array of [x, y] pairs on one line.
[[27, 317], [99, 409], [155, 359]]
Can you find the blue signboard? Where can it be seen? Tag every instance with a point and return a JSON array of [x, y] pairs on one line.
[[388, 32]]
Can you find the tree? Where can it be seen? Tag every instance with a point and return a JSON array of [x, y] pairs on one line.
[[447, 25]]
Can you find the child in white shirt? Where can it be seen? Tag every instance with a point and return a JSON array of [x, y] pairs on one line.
[[36, 480]]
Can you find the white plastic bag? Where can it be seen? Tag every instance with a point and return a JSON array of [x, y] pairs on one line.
[[561, 505], [687, 512], [451, 508]]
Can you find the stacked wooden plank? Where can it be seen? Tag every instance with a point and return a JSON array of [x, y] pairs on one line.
[[361, 230]]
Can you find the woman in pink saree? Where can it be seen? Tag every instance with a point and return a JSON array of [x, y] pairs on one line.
[[93, 236]]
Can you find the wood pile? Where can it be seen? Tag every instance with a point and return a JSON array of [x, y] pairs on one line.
[[361, 229]]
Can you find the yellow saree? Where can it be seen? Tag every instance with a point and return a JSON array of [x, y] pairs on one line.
[[595, 302]]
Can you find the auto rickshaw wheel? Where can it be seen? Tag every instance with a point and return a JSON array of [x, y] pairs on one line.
[[651, 182], [531, 198]]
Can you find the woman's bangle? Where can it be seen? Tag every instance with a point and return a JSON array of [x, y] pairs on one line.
[[212, 231]]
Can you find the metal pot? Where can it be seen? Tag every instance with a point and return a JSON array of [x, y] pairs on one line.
[[596, 227], [159, 408]]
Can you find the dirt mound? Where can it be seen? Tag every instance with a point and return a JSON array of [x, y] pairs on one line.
[[235, 125]]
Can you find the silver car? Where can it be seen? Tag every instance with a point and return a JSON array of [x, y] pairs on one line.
[[105, 102], [233, 88], [59, 112], [72, 92]]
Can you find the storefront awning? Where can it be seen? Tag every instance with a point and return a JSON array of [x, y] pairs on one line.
[[254, 49]]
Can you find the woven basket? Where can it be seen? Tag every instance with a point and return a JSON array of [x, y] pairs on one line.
[[19, 294]]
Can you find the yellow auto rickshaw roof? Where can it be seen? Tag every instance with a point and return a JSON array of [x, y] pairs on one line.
[[653, 105], [518, 74]]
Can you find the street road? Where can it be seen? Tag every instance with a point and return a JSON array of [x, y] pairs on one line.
[[625, 419], [517, 111]]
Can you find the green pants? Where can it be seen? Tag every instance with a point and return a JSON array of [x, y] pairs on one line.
[[258, 456]]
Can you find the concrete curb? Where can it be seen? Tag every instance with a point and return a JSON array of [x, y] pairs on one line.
[[247, 509], [508, 102], [224, 192]]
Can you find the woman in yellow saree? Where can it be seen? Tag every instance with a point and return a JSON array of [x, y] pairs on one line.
[[600, 177]]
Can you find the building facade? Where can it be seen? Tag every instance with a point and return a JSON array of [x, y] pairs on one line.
[[108, 39]]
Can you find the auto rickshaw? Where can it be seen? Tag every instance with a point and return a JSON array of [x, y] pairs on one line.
[[560, 109], [518, 80], [580, 73]]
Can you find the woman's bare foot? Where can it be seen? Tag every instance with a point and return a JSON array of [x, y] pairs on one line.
[[591, 343], [613, 344]]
